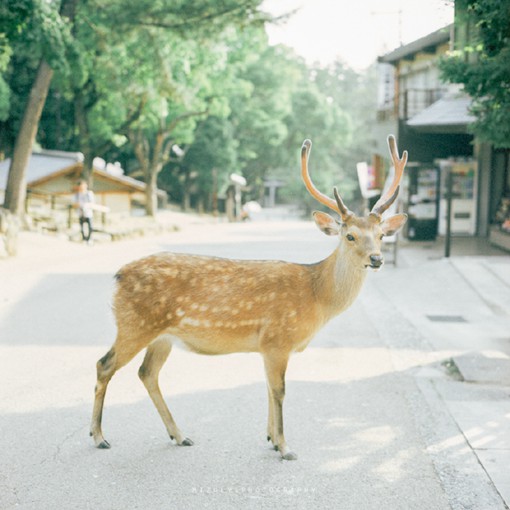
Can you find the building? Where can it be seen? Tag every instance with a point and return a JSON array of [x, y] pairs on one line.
[[430, 119], [52, 176]]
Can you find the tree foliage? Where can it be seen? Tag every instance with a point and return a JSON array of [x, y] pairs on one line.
[[135, 80], [30, 30], [482, 65], [46, 31]]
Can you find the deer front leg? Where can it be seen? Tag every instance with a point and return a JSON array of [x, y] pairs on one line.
[[270, 419], [276, 365], [127, 345], [114, 359], [155, 357]]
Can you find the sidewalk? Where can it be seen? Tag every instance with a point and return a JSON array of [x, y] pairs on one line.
[[461, 308]]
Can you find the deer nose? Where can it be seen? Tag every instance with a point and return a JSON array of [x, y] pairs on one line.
[[376, 260]]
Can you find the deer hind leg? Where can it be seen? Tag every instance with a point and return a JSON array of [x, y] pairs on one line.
[[155, 357], [114, 359], [276, 365]]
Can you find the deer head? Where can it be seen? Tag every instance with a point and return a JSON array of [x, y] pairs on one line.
[[360, 236]]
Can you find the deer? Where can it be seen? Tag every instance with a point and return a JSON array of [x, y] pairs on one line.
[[222, 306]]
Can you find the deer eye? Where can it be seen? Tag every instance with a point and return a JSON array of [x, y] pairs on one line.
[[350, 237]]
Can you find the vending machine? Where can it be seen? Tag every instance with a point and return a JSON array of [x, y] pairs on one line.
[[464, 196], [422, 202]]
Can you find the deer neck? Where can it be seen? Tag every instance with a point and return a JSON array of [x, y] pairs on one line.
[[336, 283]]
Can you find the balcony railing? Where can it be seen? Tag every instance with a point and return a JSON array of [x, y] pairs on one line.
[[408, 104]]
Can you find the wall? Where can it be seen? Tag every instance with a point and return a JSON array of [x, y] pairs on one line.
[[117, 202]]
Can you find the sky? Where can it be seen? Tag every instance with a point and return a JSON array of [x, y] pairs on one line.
[[357, 31]]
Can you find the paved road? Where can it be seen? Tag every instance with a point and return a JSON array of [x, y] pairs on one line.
[[369, 431]]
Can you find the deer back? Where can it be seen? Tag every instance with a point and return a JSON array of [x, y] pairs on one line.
[[219, 305]]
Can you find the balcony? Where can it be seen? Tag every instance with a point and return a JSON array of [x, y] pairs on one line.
[[408, 104]]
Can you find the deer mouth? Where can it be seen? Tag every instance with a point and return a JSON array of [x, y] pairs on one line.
[[374, 266]]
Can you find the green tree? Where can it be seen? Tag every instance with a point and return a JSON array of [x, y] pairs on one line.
[[481, 63], [180, 94], [352, 95], [14, 15], [260, 108], [49, 30], [134, 79], [333, 106], [208, 161], [100, 111], [184, 79], [276, 101], [215, 149]]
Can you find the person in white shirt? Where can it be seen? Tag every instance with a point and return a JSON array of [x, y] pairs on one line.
[[84, 202]]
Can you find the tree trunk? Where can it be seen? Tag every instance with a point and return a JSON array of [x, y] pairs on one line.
[[200, 204], [80, 116], [186, 200], [151, 206], [16, 190], [231, 204], [87, 172], [186, 195]]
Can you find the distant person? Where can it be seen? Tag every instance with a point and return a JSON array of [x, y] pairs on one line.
[[84, 202]]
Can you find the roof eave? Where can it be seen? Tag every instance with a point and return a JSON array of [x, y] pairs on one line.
[[432, 40]]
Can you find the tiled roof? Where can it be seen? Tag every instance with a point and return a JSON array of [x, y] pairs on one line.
[[45, 163], [427, 43], [42, 164]]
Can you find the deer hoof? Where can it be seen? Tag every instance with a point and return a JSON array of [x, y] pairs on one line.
[[104, 445], [289, 456], [186, 442]]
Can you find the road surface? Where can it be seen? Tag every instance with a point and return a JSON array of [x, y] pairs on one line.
[[369, 432]]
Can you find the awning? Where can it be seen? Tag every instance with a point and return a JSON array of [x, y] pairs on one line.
[[450, 114]]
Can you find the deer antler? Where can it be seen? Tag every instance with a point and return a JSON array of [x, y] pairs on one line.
[[336, 205], [391, 194]]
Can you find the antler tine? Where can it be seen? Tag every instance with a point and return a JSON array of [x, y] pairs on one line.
[[399, 164], [344, 212], [335, 205]]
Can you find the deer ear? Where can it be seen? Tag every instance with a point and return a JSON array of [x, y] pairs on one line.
[[326, 223], [393, 224]]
